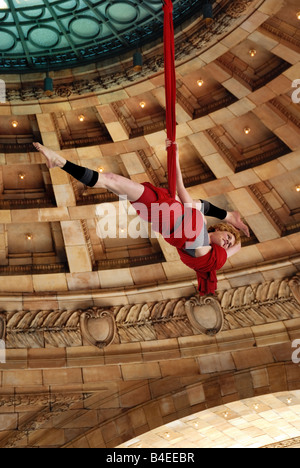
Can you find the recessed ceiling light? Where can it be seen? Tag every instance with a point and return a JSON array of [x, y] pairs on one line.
[[298, 188], [298, 15], [247, 130], [252, 52], [100, 169], [15, 123], [200, 83], [81, 118], [142, 105], [22, 176], [29, 236]]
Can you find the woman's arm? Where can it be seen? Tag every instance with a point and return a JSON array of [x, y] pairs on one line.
[[201, 251], [231, 217], [233, 250]]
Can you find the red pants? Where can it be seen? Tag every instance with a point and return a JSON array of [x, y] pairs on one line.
[[177, 223]]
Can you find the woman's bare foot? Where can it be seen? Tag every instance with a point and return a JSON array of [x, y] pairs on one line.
[[53, 159]]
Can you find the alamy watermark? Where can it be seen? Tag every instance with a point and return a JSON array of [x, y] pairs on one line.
[[2, 92], [296, 353], [172, 220], [2, 352], [296, 93]]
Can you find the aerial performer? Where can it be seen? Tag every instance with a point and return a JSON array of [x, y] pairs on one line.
[[177, 217], [181, 220]]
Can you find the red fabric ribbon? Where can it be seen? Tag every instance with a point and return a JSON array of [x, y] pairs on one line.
[[170, 87], [206, 267]]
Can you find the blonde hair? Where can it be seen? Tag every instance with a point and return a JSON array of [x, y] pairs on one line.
[[226, 227]]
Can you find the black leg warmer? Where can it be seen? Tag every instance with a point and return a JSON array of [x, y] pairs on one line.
[[213, 211], [84, 175]]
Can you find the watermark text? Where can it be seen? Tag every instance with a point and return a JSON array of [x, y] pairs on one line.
[[296, 93], [2, 352], [2, 92]]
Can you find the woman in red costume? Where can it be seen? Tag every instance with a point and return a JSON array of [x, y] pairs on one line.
[[180, 220]]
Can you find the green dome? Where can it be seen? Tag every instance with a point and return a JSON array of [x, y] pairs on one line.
[[37, 35]]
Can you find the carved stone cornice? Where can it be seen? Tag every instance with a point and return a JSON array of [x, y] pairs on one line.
[[283, 31], [284, 229], [130, 262], [295, 287], [49, 404], [289, 443], [246, 306], [267, 207], [285, 113], [26, 203], [49, 268]]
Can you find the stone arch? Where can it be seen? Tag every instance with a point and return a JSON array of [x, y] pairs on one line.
[[206, 392]]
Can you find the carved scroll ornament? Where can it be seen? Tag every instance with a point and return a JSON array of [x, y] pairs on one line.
[[295, 287], [205, 315], [98, 327], [2, 327]]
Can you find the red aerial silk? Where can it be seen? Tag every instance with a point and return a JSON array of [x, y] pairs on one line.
[[205, 266], [170, 87]]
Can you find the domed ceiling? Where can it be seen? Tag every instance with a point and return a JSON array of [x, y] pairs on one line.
[[42, 34]]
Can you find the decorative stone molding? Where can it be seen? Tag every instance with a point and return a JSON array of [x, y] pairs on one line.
[[50, 405], [245, 306], [98, 327], [289, 443], [267, 208], [237, 8], [205, 315], [295, 287]]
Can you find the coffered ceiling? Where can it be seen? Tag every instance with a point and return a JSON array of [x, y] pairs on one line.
[[67, 290], [238, 134]]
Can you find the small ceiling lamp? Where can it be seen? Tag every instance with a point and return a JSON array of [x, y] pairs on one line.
[[298, 15], [298, 188], [81, 118], [252, 52], [200, 83], [22, 176], [208, 13], [247, 130], [15, 123], [137, 61], [29, 236], [100, 169], [48, 86], [142, 105]]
